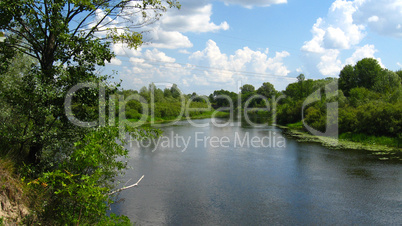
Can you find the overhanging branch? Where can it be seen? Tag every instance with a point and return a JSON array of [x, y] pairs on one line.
[[124, 188]]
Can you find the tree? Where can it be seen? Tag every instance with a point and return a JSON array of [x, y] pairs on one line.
[[387, 82], [223, 98], [367, 71], [365, 74], [167, 93], [144, 92], [300, 80], [247, 88], [176, 93], [68, 39], [347, 79], [267, 90], [399, 73]]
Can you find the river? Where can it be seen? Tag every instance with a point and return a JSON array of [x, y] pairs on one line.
[[242, 175]]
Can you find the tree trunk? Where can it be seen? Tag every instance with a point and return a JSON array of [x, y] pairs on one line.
[[34, 154]]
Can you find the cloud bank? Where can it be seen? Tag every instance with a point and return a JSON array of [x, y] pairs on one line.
[[344, 28]]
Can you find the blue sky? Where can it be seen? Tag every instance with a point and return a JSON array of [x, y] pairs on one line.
[[211, 45]]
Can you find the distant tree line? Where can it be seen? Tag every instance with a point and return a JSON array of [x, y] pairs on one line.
[[369, 100], [168, 103]]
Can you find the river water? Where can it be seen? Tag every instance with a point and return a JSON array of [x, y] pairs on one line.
[[242, 175]]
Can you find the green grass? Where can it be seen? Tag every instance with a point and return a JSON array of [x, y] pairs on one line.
[[297, 125], [359, 137], [367, 139], [207, 114]]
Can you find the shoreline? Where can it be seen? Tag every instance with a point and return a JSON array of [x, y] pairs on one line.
[[202, 116], [381, 151]]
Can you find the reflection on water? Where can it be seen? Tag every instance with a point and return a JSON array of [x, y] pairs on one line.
[[213, 182]]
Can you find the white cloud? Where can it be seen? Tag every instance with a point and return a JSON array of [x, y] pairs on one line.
[[337, 30], [115, 61], [344, 28], [373, 19], [315, 45], [244, 63], [122, 50], [158, 56], [330, 65], [366, 51], [335, 38], [184, 51], [168, 31], [152, 66], [159, 38], [194, 16], [192, 19], [382, 16], [252, 3], [210, 69], [399, 65]]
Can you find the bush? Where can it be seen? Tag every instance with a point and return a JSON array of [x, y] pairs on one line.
[[348, 121], [290, 112], [315, 118], [132, 114], [77, 190], [378, 118]]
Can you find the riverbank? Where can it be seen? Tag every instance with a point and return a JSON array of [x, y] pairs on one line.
[[13, 197], [205, 115], [383, 152]]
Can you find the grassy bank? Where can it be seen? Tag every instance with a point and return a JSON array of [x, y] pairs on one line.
[[372, 140], [204, 115], [384, 147]]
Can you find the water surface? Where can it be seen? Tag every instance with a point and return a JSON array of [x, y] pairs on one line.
[[231, 182]]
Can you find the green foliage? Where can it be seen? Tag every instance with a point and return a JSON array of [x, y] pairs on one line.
[[267, 90], [78, 188], [175, 91], [372, 104], [76, 166], [387, 82], [247, 88], [289, 112], [297, 125], [348, 120], [64, 42], [316, 118], [164, 107], [359, 96], [399, 73], [367, 73], [168, 110], [347, 79], [378, 118], [396, 96], [134, 105], [367, 139], [222, 98]]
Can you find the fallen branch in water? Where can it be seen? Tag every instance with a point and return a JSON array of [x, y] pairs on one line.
[[124, 188]]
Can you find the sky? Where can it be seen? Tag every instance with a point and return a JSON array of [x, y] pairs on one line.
[[212, 45]]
